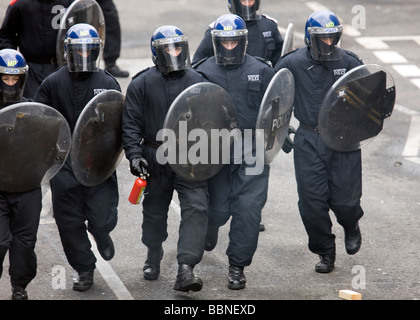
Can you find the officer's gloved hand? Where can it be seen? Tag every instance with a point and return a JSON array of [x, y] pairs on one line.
[[138, 167], [288, 143]]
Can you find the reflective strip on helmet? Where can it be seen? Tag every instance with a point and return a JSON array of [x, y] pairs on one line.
[[325, 30], [162, 41], [232, 33], [83, 41], [6, 70]]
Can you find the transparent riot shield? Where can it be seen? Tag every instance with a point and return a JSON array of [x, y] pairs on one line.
[[34, 142], [80, 11], [202, 119], [275, 113], [96, 147], [356, 108], [289, 40]]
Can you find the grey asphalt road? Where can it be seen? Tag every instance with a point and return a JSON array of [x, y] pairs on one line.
[[387, 266]]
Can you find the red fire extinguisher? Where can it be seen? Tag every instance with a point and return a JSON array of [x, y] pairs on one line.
[[138, 190]]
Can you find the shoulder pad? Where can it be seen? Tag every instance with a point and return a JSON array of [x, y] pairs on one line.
[[264, 60], [139, 73], [196, 64], [269, 18], [289, 53], [352, 54], [108, 74]]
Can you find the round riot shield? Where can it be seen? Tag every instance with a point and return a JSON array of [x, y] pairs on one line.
[[96, 148], [275, 113], [198, 132], [289, 40], [356, 107], [34, 142], [80, 11]]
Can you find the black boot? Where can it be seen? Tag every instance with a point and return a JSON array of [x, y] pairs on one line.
[[105, 247], [236, 279], [326, 263], [19, 293], [84, 282], [151, 268], [211, 237], [186, 280], [353, 239]]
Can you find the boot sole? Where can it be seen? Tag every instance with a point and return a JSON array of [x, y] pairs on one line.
[[193, 285], [149, 277], [236, 286]]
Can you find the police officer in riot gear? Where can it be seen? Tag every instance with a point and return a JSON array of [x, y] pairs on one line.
[[264, 38], [233, 192], [326, 179], [29, 26], [148, 98], [68, 90], [19, 211]]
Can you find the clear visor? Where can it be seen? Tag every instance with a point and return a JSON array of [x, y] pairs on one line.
[[246, 9], [172, 54], [229, 46], [324, 43], [83, 54]]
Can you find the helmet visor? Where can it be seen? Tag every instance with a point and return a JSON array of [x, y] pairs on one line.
[[83, 54], [12, 91], [324, 43], [172, 54], [229, 46]]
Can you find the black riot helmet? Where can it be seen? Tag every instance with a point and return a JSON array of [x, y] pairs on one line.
[[12, 66], [170, 50], [246, 9]]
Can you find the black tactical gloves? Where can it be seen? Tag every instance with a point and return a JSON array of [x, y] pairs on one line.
[[138, 167], [288, 143]]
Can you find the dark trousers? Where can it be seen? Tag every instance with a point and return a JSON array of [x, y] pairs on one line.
[[233, 193], [73, 205], [112, 32], [19, 221], [193, 201], [326, 179]]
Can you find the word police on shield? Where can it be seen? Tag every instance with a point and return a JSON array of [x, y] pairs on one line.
[[200, 131]]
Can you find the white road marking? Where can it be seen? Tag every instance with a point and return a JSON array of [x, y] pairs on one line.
[[412, 144], [390, 56], [372, 43], [109, 275], [407, 70], [416, 82]]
